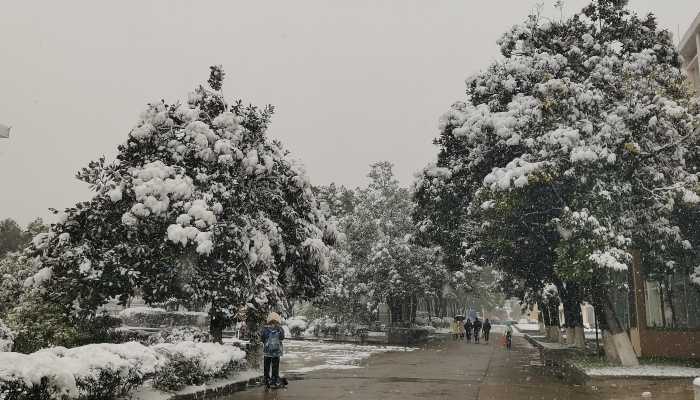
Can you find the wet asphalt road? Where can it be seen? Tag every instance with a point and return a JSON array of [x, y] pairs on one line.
[[456, 370]]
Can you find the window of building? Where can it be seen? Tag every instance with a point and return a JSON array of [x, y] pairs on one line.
[[673, 304]]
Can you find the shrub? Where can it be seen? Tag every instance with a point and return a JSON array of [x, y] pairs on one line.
[[7, 337], [108, 371], [39, 324], [124, 335], [158, 317], [93, 372], [191, 363], [180, 334], [178, 372], [97, 329], [297, 326], [108, 383], [19, 390]]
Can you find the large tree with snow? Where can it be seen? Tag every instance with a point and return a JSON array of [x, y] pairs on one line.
[[579, 145], [201, 206]]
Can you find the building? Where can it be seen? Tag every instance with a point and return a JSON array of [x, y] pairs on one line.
[[689, 48], [663, 313], [664, 317]]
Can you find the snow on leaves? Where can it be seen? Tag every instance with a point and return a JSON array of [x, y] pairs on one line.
[[199, 206]]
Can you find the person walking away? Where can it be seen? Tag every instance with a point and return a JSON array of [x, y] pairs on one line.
[[455, 329], [487, 329], [477, 329], [509, 336], [468, 330], [272, 337]]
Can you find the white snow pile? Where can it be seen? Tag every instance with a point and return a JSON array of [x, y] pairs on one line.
[[514, 175], [76, 372], [307, 356], [667, 371]]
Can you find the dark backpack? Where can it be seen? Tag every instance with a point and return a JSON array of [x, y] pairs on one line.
[[273, 344]]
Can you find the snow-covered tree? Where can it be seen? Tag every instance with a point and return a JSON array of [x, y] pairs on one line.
[[15, 268], [199, 206], [580, 145]]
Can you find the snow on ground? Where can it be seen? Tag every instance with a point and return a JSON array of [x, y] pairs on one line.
[[236, 342], [645, 371], [528, 326], [304, 356]]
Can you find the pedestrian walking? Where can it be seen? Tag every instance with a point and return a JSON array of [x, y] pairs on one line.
[[455, 329], [468, 329], [509, 336], [477, 329], [272, 337], [487, 329]]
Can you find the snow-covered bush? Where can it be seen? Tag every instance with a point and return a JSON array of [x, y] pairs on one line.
[[97, 371], [191, 363], [297, 325], [107, 371], [180, 334], [158, 317], [7, 337], [39, 324]]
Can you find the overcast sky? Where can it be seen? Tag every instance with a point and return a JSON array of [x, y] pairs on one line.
[[354, 81]]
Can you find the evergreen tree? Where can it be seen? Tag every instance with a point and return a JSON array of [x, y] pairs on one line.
[[576, 147], [199, 206]]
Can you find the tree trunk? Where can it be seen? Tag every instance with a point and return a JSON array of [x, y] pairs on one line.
[[616, 343], [254, 349], [573, 318], [550, 317]]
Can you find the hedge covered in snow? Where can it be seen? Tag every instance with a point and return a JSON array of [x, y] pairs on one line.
[[191, 363], [107, 371], [158, 317], [296, 325]]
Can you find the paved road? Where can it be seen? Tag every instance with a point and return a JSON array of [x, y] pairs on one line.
[[451, 370]]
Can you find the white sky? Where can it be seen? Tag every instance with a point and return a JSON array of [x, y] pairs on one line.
[[354, 81]]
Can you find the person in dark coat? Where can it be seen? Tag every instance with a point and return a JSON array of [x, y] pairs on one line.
[[477, 329], [468, 330], [487, 329]]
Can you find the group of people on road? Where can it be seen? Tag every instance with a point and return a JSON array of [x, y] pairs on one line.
[[469, 329]]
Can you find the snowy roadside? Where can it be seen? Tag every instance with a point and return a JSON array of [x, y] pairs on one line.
[[644, 371]]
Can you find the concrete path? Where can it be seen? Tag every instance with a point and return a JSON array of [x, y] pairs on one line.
[[448, 370]]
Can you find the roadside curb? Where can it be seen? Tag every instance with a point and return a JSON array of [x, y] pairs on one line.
[[561, 365], [219, 390], [558, 360]]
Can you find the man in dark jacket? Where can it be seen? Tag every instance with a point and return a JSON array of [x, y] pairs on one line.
[[272, 337], [487, 329], [468, 330], [477, 329]]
